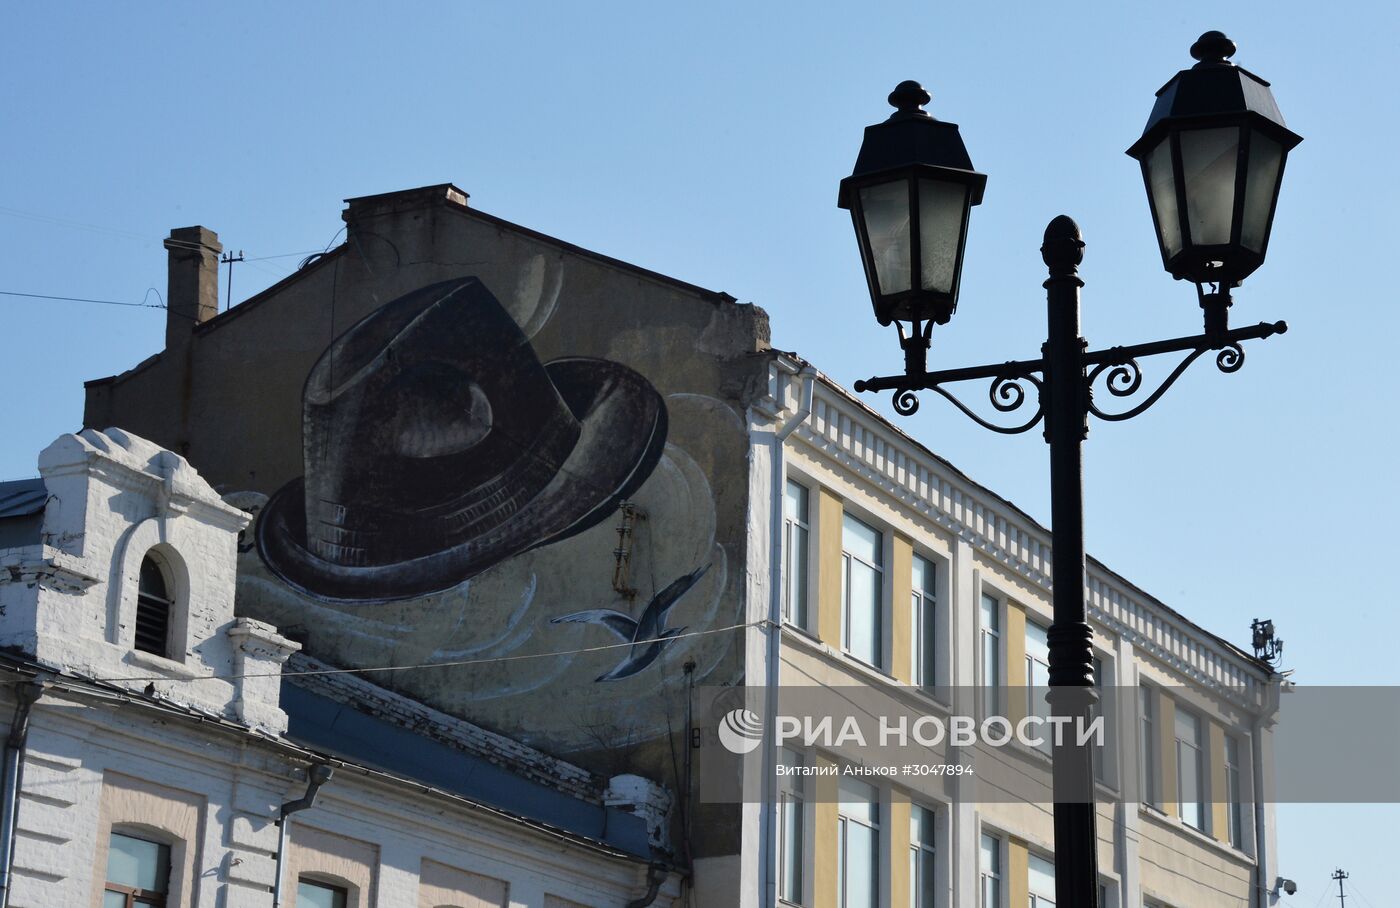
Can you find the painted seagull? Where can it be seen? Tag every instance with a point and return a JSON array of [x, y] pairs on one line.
[[648, 635]]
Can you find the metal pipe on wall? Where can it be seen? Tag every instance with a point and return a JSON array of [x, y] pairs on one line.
[[317, 775], [769, 817], [26, 695]]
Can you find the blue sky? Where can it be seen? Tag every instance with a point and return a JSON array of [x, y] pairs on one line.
[[706, 142]]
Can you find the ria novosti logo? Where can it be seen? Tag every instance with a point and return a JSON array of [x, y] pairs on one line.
[[740, 731]]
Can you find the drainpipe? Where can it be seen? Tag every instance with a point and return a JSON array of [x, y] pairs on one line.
[[768, 821], [656, 875], [26, 695], [317, 775], [1263, 858]]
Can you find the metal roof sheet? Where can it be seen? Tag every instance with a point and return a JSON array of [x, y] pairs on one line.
[[22, 498]]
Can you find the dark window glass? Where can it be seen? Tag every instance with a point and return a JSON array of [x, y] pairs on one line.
[[153, 605]]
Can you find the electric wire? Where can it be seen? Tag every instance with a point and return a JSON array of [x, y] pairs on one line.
[[232, 676]]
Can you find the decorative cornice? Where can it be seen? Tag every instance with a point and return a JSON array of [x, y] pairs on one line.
[[844, 432], [46, 568]]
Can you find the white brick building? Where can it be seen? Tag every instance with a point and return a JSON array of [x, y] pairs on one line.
[[153, 743]]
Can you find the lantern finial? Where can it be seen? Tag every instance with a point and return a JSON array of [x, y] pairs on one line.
[[1213, 49], [908, 99]]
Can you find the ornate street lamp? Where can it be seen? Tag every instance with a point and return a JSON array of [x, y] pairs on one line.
[[1212, 157], [909, 195]]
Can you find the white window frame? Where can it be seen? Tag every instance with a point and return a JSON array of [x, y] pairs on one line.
[[1195, 751], [792, 790], [1040, 899], [844, 824], [1039, 691], [990, 677], [996, 876], [1148, 745], [793, 529], [847, 558], [917, 850], [1234, 790], [923, 624]]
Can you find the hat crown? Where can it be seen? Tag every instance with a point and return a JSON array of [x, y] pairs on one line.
[[437, 389]]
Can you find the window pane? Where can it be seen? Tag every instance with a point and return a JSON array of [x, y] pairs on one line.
[[923, 576], [886, 210], [113, 900], [861, 540], [1265, 159], [858, 801], [152, 579], [863, 612], [1163, 183], [991, 613], [1208, 161], [795, 588], [1147, 747], [795, 505], [941, 207], [858, 875], [319, 895], [1190, 791], [138, 863], [790, 874], [1041, 876]]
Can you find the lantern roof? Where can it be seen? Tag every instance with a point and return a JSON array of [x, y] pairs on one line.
[[1213, 88], [912, 138]]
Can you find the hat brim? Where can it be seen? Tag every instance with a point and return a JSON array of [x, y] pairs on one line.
[[622, 433]]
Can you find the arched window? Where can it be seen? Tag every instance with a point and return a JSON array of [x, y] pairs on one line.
[[138, 873], [154, 606]]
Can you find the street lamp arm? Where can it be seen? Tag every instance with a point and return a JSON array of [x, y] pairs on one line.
[[1006, 392], [1214, 341], [1124, 375]]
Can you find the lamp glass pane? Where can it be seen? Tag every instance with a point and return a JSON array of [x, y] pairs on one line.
[[941, 207], [1162, 180], [1261, 182], [886, 210], [1208, 161]]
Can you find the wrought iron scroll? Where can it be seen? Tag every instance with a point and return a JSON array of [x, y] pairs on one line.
[[1124, 378], [1006, 393]]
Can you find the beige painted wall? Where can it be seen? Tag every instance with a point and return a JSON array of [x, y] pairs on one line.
[[828, 554], [147, 810], [439, 884], [900, 578], [331, 858]]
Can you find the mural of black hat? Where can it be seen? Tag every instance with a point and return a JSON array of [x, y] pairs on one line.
[[436, 444]]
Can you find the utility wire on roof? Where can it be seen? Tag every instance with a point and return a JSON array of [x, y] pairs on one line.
[[80, 299], [231, 676]]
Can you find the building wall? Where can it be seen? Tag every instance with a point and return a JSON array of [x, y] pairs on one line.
[[234, 400], [853, 463], [214, 795]]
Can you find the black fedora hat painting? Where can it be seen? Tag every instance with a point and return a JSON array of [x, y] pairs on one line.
[[436, 444]]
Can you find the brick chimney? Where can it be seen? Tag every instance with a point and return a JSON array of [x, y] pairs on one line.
[[192, 291]]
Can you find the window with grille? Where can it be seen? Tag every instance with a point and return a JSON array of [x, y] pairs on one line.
[[138, 873], [154, 605]]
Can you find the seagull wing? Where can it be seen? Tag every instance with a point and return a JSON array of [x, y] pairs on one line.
[[620, 624], [639, 658], [654, 616]]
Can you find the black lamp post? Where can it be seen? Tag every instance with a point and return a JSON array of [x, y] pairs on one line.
[[1212, 157]]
